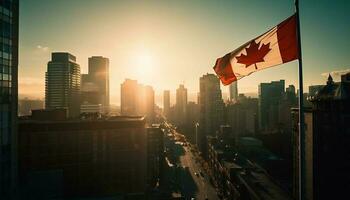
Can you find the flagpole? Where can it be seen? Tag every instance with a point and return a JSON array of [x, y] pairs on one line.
[[302, 164]]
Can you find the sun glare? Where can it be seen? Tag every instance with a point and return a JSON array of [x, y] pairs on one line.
[[144, 66]]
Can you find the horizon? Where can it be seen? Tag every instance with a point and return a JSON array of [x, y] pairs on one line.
[[141, 38]]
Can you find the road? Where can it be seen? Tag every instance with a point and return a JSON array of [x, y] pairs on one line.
[[204, 188], [186, 181]]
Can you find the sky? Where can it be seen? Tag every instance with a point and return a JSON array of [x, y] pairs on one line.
[[166, 43]]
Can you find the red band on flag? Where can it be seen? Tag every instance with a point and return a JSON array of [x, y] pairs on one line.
[[287, 39], [223, 69]]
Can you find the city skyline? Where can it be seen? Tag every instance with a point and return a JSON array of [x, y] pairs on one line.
[[155, 42]]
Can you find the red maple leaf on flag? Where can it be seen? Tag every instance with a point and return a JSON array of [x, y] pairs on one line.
[[254, 54]]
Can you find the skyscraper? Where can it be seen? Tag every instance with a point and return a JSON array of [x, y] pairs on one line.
[[146, 102], [166, 103], [211, 114], [234, 91], [99, 75], [129, 100], [270, 95], [62, 88], [137, 99], [181, 104], [8, 95]]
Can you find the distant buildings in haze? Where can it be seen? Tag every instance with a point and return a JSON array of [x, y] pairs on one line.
[[233, 87], [95, 84], [137, 99], [181, 105], [25, 106], [166, 103]]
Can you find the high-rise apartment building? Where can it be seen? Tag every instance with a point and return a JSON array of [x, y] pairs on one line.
[[234, 91], [181, 104], [8, 95], [99, 76], [62, 86], [270, 95], [166, 103], [137, 99], [129, 100], [146, 102], [211, 114]]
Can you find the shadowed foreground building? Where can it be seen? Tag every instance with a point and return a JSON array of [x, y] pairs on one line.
[[83, 158], [8, 95], [327, 150]]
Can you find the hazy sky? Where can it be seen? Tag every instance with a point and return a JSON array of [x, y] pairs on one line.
[[165, 43]]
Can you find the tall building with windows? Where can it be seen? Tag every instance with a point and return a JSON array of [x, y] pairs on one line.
[[211, 107], [99, 75], [181, 104], [270, 95], [129, 100], [234, 91], [8, 95], [137, 100], [62, 86], [166, 103]]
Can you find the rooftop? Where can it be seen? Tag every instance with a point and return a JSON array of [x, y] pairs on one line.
[[334, 91]]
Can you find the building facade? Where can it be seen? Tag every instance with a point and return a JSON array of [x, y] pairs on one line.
[[181, 105], [25, 106], [8, 95], [270, 95], [99, 76], [211, 107], [137, 99], [72, 158], [62, 86], [155, 154], [234, 91], [327, 142], [166, 103]]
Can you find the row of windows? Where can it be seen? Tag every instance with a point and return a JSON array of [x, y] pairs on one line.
[[5, 69], [5, 55], [6, 18], [5, 41], [5, 62], [5, 29], [5, 78], [5, 48], [8, 4], [5, 11], [5, 95]]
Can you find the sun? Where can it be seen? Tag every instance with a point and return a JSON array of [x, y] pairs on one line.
[[144, 66]]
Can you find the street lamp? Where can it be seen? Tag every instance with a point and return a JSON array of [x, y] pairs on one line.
[[197, 125]]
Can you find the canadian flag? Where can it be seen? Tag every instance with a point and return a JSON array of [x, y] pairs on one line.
[[276, 46]]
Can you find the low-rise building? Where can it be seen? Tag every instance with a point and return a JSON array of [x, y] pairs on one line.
[[60, 159], [237, 177]]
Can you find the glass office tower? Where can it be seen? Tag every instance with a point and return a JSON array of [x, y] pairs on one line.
[[8, 95]]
